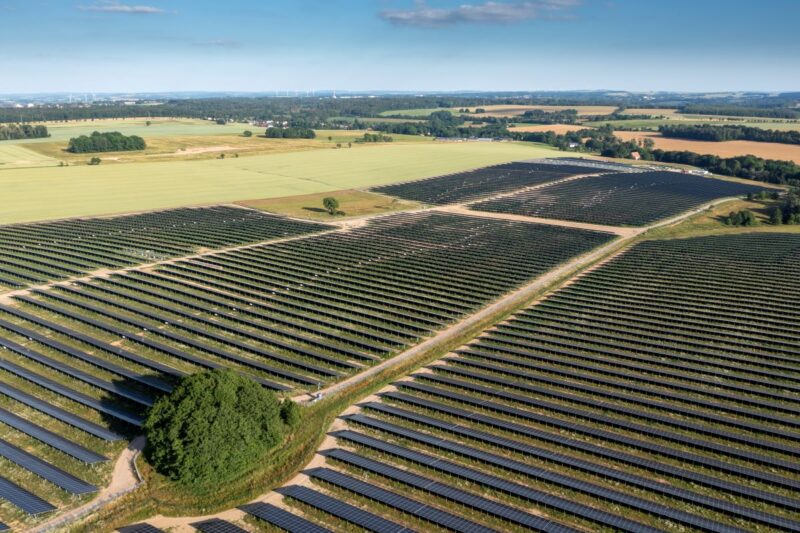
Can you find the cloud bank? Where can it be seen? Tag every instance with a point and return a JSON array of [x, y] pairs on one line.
[[111, 6], [486, 13]]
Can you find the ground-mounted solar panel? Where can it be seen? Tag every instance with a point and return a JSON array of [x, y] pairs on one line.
[[140, 528], [54, 386], [216, 525], [51, 439], [3, 527], [59, 414], [54, 475], [29, 503], [114, 388], [447, 492], [342, 510], [416, 508], [282, 518]]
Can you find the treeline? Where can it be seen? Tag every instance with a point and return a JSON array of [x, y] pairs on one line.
[[22, 131], [539, 116], [789, 211], [375, 138], [603, 141], [706, 132], [444, 124], [291, 132], [740, 111], [112, 141]]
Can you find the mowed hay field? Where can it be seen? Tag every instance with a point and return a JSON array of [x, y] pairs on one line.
[[15, 156], [50, 193], [558, 128], [787, 152]]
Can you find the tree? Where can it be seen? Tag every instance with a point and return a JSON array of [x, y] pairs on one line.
[[776, 216], [94, 161], [147, 123], [247, 133], [213, 427], [290, 413], [221, 121], [331, 205]]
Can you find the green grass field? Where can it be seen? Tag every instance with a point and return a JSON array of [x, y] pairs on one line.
[[653, 124], [159, 127], [49, 193], [15, 156]]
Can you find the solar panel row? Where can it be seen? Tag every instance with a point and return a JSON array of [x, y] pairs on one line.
[[33, 464]]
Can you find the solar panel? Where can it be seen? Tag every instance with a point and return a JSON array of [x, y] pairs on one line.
[[58, 413], [3, 527], [140, 528], [282, 518], [342, 510], [48, 437], [67, 392], [672, 451], [215, 525], [66, 481], [445, 491], [619, 475], [114, 388], [149, 381], [30, 503], [396, 501]]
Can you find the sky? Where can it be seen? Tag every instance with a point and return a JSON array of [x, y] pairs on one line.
[[406, 45]]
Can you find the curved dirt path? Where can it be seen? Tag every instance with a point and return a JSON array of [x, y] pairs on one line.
[[124, 479]]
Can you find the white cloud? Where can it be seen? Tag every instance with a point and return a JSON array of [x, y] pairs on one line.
[[219, 43], [486, 13], [112, 6]]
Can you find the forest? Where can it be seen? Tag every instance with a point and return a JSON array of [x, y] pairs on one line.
[[112, 141], [292, 132], [707, 132], [22, 131]]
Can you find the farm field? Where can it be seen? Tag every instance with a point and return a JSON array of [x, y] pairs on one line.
[[653, 124], [159, 127], [32, 254], [37, 194], [632, 399], [621, 199], [483, 182], [558, 128], [16, 156], [352, 203], [501, 110], [779, 151], [86, 359]]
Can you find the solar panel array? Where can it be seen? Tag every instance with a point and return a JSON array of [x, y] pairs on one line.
[[618, 199], [480, 183], [81, 362], [36, 253], [658, 392]]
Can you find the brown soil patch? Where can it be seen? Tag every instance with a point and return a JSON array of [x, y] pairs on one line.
[[789, 152]]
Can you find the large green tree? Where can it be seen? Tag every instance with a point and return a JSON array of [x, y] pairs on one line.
[[212, 428]]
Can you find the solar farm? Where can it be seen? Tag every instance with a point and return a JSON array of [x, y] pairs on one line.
[[656, 391], [618, 199], [635, 399]]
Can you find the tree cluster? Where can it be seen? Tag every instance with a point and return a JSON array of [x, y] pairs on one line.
[[375, 138], [707, 132], [111, 141], [290, 133], [539, 116], [214, 427], [788, 212], [22, 131], [745, 217]]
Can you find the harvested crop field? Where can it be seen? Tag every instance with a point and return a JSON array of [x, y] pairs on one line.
[[558, 128], [723, 149]]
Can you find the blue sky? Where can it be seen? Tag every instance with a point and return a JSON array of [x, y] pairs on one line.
[[267, 45]]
